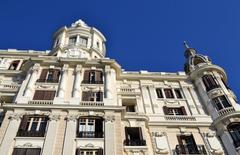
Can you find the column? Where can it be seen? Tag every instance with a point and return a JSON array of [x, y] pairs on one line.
[[108, 93], [49, 143], [19, 64], [77, 81], [10, 134], [62, 84], [32, 80], [109, 135], [70, 135]]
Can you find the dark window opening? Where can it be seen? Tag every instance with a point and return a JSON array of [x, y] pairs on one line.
[[26, 151], [221, 102], [134, 137], [32, 126], [72, 40], [81, 151], [168, 93], [44, 95], [174, 110], [14, 65], [209, 82], [92, 96], [93, 77], [234, 130], [178, 93], [49, 75], [159, 93]]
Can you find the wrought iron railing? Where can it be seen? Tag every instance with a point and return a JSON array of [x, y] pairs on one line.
[[190, 149], [22, 133], [138, 142], [92, 82], [89, 134]]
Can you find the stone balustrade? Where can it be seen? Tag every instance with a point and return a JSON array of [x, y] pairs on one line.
[[179, 118], [225, 111], [41, 102], [92, 103], [11, 87]]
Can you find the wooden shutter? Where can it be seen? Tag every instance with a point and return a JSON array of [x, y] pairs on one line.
[[99, 127], [140, 133], [49, 95], [38, 95], [86, 76], [56, 74], [19, 151], [165, 110], [23, 125], [86, 96], [100, 96], [33, 151], [100, 151], [98, 75], [43, 74], [183, 110]]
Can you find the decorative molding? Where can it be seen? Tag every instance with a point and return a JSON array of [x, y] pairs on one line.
[[54, 117], [78, 68], [72, 118], [109, 118], [15, 116], [28, 145]]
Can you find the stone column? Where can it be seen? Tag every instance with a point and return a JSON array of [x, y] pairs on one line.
[[109, 135], [49, 143], [69, 141], [62, 84], [77, 81], [107, 82], [19, 64], [10, 134], [32, 80]]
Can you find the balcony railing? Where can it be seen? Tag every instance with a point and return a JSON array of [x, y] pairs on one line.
[[90, 134], [10, 87], [22, 133], [42, 102], [190, 149], [48, 80], [92, 82], [179, 118], [92, 103], [128, 142], [225, 111]]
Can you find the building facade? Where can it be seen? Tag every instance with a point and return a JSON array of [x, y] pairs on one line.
[[72, 100]]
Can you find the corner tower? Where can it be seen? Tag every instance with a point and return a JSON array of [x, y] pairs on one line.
[[79, 41], [219, 101]]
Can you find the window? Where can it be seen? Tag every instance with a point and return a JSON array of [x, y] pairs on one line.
[[44, 95], [89, 151], [83, 41], [130, 104], [49, 75], [234, 130], [168, 93], [14, 65], [26, 151], [98, 44], [90, 128], [134, 137], [178, 93], [33, 126], [221, 102], [2, 115], [159, 93], [209, 82], [174, 110], [93, 77], [72, 40]]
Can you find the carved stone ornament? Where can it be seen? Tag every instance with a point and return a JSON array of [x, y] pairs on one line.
[[65, 67], [109, 118], [36, 67], [72, 118], [15, 116], [78, 68], [53, 117], [28, 145]]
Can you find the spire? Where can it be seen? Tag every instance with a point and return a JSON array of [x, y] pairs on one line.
[[185, 45], [188, 51]]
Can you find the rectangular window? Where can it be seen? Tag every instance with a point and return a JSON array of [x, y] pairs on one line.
[[209, 82], [221, 102], [178, 93], [44, 95], [93, 77], [83, 41], [89, 151], [168, 93], [72, 40], [49, 75], [90, 128], [187, 145], [33, 126], [174, 110], [14, 65], [159, 93], [92, 96], [26, 151], [134, 137]]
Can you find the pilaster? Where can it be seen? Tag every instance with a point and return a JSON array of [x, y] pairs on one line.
[[109, 134]]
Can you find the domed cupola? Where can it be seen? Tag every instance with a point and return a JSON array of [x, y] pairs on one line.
[[194, 59], [79, 41]]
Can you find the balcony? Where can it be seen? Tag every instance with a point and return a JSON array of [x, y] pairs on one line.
[[9, 87], [212, 87], [225, 111], [128, 142], [92, 103], [41, 102], [92, 82], [48, 80], [90, 134], [190, 149], [179, 118], [22, 133]]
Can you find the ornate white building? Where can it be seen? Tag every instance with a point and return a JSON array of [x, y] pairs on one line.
[[73, 100]]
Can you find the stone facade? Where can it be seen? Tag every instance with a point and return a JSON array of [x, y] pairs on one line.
[[73, 100]]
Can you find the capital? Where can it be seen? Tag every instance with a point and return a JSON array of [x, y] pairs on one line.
[[54, 117], [109, 118]]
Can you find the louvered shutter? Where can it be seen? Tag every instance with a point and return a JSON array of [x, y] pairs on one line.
[[86, 96], [100, 96], [38, 95], [98, 75], [86, 76], [165, 110], [183, 110], [43, 74], [33, 151], [19, 151], [23, 125], [100, 151], [56, 74], [140, 133], [49, 95]]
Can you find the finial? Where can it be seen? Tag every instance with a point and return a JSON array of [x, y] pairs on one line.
[[185, 45]]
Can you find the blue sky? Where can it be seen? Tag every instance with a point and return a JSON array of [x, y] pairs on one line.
[[141, 34]]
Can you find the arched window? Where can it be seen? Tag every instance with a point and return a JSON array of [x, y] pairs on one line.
[[234, 130], [209, 82], [14, 65]]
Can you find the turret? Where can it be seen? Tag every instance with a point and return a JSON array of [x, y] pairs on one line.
[[219, 101], [79, 41]]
